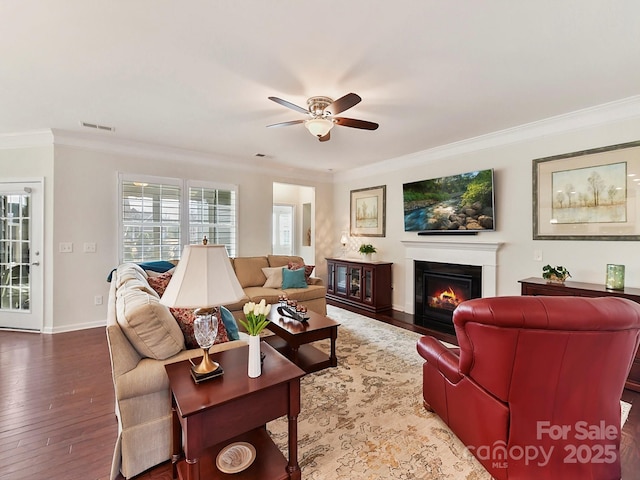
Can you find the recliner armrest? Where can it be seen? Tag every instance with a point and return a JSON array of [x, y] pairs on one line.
[[445, 360]]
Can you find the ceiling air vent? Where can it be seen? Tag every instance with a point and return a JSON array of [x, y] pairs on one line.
[[95, 126]]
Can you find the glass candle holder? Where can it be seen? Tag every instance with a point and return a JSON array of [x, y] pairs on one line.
[[615, 277]]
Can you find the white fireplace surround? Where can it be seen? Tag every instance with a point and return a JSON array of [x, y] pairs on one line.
[[484, 254]]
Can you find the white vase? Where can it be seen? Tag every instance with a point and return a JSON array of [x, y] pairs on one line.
[[255, 369]]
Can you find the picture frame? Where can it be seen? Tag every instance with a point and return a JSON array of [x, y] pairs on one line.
[[588, 195], [368, 212]]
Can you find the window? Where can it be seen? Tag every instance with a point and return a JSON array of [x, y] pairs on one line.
[[159, 215]]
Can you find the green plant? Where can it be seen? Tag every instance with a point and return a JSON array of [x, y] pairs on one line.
[[560, 272], [367, 248], [256, 314]]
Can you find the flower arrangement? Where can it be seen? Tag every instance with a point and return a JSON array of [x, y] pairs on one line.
[[557, 275], [367, 248], [256, 314]]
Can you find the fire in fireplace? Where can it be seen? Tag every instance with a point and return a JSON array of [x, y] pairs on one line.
[[440, 288]]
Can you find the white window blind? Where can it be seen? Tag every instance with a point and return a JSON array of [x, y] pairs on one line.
[[159, 216]]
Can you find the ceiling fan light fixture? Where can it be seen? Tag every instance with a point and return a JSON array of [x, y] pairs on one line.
[[319, 127]]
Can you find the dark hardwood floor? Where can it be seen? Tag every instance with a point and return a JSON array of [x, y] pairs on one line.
[[57, 408]]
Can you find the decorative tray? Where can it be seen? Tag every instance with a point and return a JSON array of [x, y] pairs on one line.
[[287, 311]]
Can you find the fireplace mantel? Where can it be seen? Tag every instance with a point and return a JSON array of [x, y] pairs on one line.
[[484, 254]]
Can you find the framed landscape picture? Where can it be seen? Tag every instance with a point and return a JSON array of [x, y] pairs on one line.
[[368, 212], [588, 195]]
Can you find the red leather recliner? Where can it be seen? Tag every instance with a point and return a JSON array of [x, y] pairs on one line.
[[534, 392]]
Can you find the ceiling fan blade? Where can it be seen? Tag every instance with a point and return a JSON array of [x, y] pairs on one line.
[[289, 105], [353, 123], [326, 138], [285, 124], [344, 103]]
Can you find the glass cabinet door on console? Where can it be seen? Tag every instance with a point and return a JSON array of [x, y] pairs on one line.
[[331, 286], [354, 282], [367, 285], [341, 284]]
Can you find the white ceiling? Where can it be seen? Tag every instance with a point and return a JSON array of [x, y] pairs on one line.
[[196, 74]]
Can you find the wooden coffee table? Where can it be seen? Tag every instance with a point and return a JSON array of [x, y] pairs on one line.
[[233, 408], [292, 339]]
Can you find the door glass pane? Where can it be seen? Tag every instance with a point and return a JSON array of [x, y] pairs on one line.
[[354, 284], [341, 279], [14, 252], [368, 285]]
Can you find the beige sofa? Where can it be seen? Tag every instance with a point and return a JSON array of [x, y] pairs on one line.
[[143, 336], [249, 271]]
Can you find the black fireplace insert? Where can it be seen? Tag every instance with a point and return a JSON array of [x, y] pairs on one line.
[[440, 288]]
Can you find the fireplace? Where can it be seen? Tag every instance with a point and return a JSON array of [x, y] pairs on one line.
[[440, 288]]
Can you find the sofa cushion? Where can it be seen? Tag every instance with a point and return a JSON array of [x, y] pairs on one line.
[[311, 292], [147, 323], [230, 324], [293, 279], [249, 270], [274, 277], [256, 294], [185, 318], [284, 260]]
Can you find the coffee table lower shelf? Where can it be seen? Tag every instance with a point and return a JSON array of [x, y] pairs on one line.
[[308, 357], [269, 464]]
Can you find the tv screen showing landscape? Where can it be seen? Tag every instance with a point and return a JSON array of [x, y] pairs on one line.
[[457, 203]]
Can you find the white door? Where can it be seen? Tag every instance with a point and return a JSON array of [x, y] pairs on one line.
[[283, 224], [21, 280]]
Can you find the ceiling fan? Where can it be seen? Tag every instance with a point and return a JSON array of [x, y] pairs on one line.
[[321, 111]]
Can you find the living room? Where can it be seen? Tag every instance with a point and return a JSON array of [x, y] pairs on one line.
[[80, 171]]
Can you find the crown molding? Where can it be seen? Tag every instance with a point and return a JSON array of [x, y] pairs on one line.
[[31, 139], [119, 146], [624, 109]]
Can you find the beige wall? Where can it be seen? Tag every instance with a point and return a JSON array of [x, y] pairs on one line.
[[511, 158], [82, 206]]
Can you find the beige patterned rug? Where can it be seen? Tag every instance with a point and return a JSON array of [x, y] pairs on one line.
[[364, 420]]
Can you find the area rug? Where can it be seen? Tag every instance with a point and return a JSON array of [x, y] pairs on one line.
[[365, 420]]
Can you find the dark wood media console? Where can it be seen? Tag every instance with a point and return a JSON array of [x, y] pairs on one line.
[[539, 286]]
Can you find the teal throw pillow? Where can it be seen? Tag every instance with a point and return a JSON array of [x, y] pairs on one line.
[[293, 278], [229, 323]]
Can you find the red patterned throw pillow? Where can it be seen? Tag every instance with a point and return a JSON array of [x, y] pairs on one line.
[[185, 317], [160, 282], [308, 269]]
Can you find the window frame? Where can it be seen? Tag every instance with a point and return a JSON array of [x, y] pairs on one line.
[[184, 186]]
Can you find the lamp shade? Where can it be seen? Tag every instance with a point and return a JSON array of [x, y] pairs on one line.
[[203, 278], [319, 126]]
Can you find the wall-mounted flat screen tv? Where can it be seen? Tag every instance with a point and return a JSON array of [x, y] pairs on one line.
[[454, 204]]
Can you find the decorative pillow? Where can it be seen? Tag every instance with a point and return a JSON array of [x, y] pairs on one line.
[[230, 324], [159, 283], [274, 277], [308, 269], [293, 279], [185, 318], [148, 325]]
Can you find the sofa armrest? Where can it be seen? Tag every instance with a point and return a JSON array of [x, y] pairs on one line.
[[315, 281], [444, 359]]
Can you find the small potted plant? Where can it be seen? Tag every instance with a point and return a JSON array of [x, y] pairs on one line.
[[367, 250], [555, 275]]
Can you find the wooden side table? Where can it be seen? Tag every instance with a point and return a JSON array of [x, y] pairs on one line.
[[210, 415]]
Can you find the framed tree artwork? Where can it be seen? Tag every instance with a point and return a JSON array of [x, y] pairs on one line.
[[588, 195], [368, 216]]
